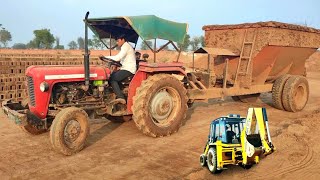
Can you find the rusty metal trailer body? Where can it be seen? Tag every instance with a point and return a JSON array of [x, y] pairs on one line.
[[245, 60]]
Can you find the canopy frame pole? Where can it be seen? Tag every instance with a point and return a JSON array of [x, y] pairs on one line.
[[154, 51], [148, 45], [110, 45], [162, 47], [193, 61]]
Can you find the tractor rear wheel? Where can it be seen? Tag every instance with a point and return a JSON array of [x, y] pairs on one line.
[[295, 93], [212, 161], [69, 130], [277, 90], [160, 105]]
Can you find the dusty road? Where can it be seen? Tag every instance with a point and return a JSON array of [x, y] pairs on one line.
[[120, 151]]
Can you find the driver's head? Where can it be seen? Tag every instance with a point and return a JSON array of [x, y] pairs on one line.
[[121, 40]]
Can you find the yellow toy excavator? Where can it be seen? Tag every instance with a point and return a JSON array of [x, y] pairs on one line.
[[237, 140]]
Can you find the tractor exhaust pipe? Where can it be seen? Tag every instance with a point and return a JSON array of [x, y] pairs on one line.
[[86, 53]]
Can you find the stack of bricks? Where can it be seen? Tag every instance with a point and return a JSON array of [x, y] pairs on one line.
[[13, 67]]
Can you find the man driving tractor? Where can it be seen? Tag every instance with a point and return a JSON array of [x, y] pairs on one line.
[[127, 58]]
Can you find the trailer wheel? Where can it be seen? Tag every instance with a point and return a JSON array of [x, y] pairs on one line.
[[249, 98], [277, 91], [295, 93], [69, 130], [212, 161], [203, 160], [160, 105]]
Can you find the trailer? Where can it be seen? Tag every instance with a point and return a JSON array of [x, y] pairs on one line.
[[245, 60]]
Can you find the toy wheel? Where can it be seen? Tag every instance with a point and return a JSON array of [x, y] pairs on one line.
[[160, 105], [69, 130], [203, 160], [212, 161]]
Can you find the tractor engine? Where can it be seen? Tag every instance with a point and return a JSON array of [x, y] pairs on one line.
[[73, 93]]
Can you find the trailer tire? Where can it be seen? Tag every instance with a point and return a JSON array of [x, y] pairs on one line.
[[277, 91], [212, 161], [69, 130], [160, 105], [295, 93]]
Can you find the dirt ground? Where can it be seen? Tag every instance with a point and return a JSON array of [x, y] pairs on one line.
[[119, 151]]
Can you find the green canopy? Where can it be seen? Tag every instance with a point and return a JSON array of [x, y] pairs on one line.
[[147, 27]]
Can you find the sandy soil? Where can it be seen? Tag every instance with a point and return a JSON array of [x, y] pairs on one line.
[[119, 151]]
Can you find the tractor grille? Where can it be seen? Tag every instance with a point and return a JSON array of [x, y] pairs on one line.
[[31, 91]]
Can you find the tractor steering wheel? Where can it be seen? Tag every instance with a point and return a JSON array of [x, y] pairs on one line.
[[110, 61]]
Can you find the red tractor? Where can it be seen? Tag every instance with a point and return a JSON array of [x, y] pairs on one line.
[[63, 98]]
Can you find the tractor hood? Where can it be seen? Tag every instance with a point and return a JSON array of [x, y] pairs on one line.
[[71, 73], [50, 75]]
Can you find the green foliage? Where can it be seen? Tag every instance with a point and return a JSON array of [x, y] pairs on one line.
[[95, 43], [144, 46], [73, 45], [202, 41], [5, 37], [19, 46], [80, 42], [58, 46], [184, 46], [31, 44], [195, 43], [43, 39]]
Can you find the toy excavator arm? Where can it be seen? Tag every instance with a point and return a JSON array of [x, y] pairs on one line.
[[256, 124]]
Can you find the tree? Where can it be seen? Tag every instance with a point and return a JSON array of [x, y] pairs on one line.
[[43, 39], [184, 46], [195, 43], [202, 42], [145, 47], [58, 46], [73, 45], [80, 42], [19, 46], [5, 37], [96, 43], [31, 44]]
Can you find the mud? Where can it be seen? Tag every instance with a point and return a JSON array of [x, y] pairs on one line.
[[119, 151]]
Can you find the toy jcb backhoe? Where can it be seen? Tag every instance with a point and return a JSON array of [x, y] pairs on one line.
[[237, 140]]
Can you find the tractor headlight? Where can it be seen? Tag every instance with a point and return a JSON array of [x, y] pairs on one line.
[[44, 86]]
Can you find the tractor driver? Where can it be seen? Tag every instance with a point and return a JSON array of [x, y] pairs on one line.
[[127, 58]]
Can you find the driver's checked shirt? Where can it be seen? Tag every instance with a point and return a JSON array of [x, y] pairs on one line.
[[126, 57]]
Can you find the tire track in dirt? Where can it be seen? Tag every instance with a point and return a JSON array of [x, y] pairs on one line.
[[302, 165]]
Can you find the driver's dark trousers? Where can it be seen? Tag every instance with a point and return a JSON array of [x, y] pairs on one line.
[[116, 79]]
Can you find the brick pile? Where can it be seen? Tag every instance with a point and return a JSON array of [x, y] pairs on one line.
[[13, 66]]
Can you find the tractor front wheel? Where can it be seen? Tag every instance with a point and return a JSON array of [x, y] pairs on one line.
[[160, 105], [69, 130]]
